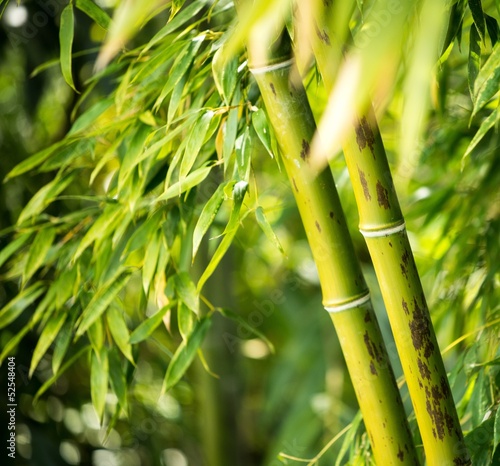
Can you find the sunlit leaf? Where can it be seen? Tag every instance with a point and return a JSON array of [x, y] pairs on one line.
[[186, 291], [101, 301], [48, 335], [185, 354], [99, 369], [119, 331], [117, 377], [478, 15], [487, 82], [261, 126], [474, 57], [66, 32], [192, 180], [19, 303], [13, 247], [267, 228], [38, 251], [149, 325], [486, 125], [94, 12]]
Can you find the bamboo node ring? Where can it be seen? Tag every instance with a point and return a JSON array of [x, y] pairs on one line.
[[350, 305], [272, 67], [383, 232]]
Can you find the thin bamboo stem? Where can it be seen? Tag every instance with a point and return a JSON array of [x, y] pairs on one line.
[[345, 294], [382, 224]]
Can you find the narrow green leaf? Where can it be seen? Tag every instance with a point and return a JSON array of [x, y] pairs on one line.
[[181, 186], [186, 291], [44, 197], [474, 63], [119, 331], [230, 133], [261, 127], [488, 80], [176, 6], [477, 14], [62, 343], [486, 125], [267, 229], [16, 306], [239, 192], [38, 251], [147, 327], [151, 260], [185, 354], [496, 435], [207, 216], [493, 28], [117, 377], [145, 231], [175, 99], [225, 74], [99, 369], [66, 32], [63, 369], [94, 12], [133, 149], [12, 344], [101, 301], [47, 336], [244, 154], [13, 247], [237, 318], [95, 334], [185, 320], [195, 140], [88, 119], [454, 25]]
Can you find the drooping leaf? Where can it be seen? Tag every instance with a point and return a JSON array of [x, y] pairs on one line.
[[185, 354], [18, 304], [119, 331], [38, 251], [261, 126], [66, 33], [488, 80], [186, 291], [94, 12], [195, 141], [477, 13], [150, 260], [454, 25], [101, 301], [12, 344], [267, 228], [99, 369], [225, 74], [185, 320], [207, 216], [493, 28], [474, 63], [88, 119], [48, 335], [486, 125], [146, 328], [117, 377], [181, 186], [244, 146], [62, 343], [239, 192]]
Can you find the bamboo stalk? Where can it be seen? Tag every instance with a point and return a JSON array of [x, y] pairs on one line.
[[345, 294], [382, 224]]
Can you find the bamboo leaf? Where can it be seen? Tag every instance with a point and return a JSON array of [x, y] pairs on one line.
[[207, 216], [261, 127], [237, 318], [175, 99], [101, 301], [488, 80], [493, 28], [194, 143], [176, 6], [267, 229], [181, 186], [99, 369], [243, 155], [13, 247], [239, 192], [496, 436], [230, 132], [13, 342], [94, 11], [185, 354], [38, 251], [64, 368], [225, 74], [146, 328], [66, 32], [185, 320], [150, 260], [119, 331], [44, 197], [47, 336], [88, 119], [62, 344], [474, 63], [16, 306], [95, 334], [478, 16], [134, 148], [117, 377], [186, 291], [486, 125], [454, 25]]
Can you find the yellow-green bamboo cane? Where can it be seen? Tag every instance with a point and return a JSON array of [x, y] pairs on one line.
[[345, 294], [382, 224]]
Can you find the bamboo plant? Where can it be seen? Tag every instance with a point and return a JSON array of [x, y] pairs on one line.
[[383, 227], [345, 294]]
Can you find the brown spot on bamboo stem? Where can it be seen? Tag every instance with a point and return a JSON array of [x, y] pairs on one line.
[[421, 331], [318, 226], [390, 244], [368, 317], [373, 370], [382, 196], [368, 344], [273, 89], [322, 35], [401, 454], [405, 307], [295, 185], [304, 153], [331, 214], [364, 135], [364, 184], [424, 369]]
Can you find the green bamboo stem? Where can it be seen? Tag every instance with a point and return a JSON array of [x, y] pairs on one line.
[[382, 225], [345, 294]]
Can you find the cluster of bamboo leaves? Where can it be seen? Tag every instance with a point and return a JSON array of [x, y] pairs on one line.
[[171, 149]]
